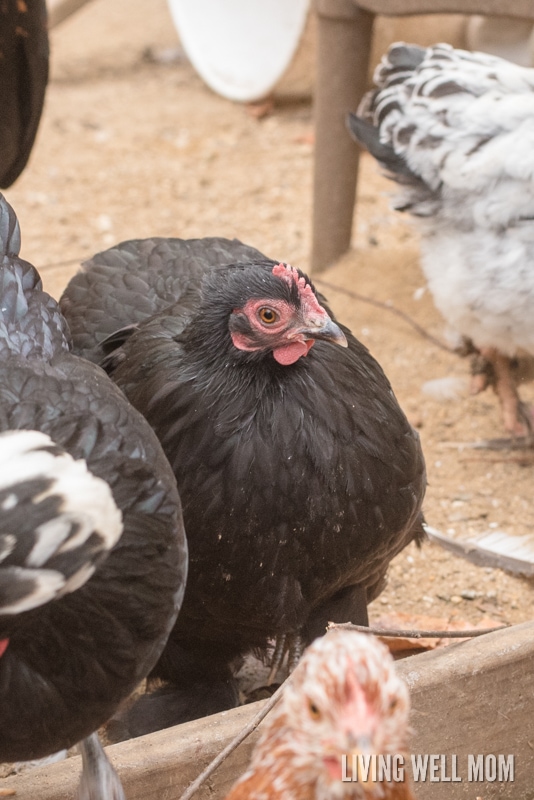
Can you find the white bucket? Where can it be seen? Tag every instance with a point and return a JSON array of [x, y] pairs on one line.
[[240, 48]]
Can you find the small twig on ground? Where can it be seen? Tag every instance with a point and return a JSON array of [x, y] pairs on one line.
[[415, 634], [388, 307], [236, 741]]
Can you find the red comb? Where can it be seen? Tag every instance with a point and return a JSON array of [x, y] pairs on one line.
[[291, 275]]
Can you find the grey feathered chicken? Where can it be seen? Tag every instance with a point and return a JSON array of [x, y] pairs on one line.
[[92, 547], [299, 474], [455, 130]]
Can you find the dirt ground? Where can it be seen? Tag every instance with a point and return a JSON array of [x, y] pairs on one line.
[[130, 147]]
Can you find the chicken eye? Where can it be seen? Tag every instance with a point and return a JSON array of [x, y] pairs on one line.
[[267, 315], [393, 703], [314, 711]]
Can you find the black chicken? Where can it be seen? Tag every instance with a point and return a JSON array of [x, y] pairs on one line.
[[23, 80], [92, 547], [299, 474]]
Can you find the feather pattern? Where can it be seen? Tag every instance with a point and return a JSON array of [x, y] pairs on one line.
[[93, 556], [456, 130], [299, 481], [64, 517], [126, 285]]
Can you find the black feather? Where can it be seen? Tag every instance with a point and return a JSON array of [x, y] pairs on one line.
[[72, 660], [368, 135]]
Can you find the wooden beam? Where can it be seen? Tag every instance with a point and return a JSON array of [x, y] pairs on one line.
[[519, 8], [159, 765], [474, 697], [343, 49]]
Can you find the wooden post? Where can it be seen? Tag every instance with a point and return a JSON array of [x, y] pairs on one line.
[[343, 48]]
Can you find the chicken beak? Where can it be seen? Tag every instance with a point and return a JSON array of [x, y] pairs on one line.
[[360, 743], [361, 759], [327, 330]]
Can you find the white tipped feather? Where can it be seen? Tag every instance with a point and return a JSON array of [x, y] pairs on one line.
[[9, 502], [78, 579], [7, 545], [84, 515], [45, 584], [85, 499]]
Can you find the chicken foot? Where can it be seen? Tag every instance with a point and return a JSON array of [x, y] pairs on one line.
[[99, 780], [517, 417], [290, 643]]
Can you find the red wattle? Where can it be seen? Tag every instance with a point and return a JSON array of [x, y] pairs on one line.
[[290, 353], [3, 646]]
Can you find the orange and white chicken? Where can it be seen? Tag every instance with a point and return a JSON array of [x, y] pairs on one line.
[[343, 707]]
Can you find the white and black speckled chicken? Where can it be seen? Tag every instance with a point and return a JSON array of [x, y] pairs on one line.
[[456, 131], [92, 548], [299, 474]]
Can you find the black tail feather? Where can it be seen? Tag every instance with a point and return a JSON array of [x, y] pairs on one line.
[[368, 136]]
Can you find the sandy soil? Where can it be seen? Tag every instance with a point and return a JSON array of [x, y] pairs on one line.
[[132, 148]]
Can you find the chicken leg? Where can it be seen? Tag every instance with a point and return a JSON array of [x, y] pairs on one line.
[[99, 780], [291, 643], [348, 605], [517, 418]]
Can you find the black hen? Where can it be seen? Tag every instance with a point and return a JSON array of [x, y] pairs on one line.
[[299, 474], [92, 547]]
